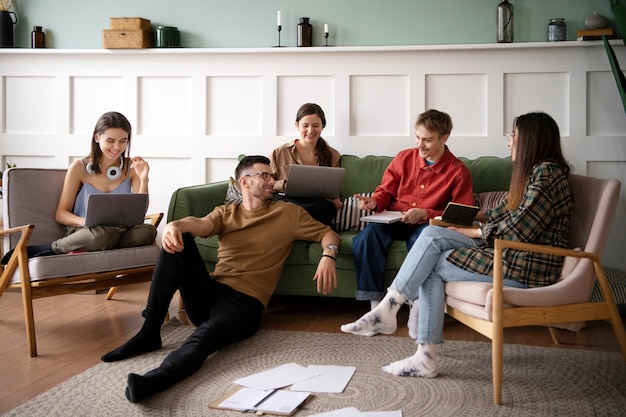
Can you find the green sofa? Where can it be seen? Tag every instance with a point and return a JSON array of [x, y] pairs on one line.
[[490, 176]]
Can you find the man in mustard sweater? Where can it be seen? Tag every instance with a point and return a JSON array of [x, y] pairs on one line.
[[255, 238]]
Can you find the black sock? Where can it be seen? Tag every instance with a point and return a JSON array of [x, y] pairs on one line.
[[39, 250], [147, 340], [141, 387]]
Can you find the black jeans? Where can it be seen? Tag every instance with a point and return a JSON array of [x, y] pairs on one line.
[[222, 315]]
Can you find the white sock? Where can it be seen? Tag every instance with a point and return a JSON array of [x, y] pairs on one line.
[[422, 364], [413, 319], [374, 304], [380, 320]]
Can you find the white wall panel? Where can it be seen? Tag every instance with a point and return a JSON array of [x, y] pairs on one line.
[[90, 98], [605, 112], [30, 104], [379, 105], [463, 97], [234, 106], [164, 106], [547, 92], [295, 91]]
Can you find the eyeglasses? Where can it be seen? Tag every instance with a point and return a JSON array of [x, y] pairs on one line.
[[265, 175], [509, 137]]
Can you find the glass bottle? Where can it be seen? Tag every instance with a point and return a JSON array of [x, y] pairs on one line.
[[505, 22], [305, 32], [37, 38], [556, 30]]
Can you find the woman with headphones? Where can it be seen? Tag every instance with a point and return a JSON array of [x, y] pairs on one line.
[[107, 169]]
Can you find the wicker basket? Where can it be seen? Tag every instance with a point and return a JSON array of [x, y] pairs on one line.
[[129, 23], [128, 39]]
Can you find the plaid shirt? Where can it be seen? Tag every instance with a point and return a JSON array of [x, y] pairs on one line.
[[544, 216]]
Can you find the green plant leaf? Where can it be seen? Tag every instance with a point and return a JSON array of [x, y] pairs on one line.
[[620, 79], [619, 12]]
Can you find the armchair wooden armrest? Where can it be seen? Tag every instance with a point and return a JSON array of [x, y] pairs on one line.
[[575, 312], [19, 256], [155, 218]]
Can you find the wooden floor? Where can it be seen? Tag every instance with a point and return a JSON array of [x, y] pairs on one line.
[[73, 331]]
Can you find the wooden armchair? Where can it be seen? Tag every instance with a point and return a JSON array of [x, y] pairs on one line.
[[30, 199], [490, 308]]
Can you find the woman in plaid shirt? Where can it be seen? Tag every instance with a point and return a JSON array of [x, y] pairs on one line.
[[538, 209]]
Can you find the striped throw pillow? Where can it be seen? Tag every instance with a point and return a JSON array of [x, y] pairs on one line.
[[349, 217]]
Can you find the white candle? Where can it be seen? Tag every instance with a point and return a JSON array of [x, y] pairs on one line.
[[278, 18], [325, 27]]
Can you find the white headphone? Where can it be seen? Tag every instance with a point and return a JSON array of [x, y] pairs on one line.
[[113, 173]]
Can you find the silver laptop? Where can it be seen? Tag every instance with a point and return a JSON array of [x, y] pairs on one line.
[[116, 209], [314, 181]]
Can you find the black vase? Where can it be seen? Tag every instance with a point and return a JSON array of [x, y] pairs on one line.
[[7, 20]]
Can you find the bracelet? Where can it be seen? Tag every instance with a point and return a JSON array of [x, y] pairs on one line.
[[329, 256]]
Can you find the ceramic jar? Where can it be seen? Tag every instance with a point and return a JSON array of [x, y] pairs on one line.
[[596, 21], [7, 20], [167, 37]]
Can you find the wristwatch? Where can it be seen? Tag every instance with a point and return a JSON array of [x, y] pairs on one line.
[[334, 248]]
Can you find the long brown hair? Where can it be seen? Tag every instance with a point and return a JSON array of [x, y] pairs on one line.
[[538, 140], [109, 120], [322, 151]]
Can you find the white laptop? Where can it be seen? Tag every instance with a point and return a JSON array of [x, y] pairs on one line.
[[116, 209], [314, 181]]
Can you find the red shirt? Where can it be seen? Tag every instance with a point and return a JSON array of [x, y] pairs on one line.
[[409, 182]]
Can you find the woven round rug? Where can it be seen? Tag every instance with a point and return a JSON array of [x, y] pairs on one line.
[[537, 381]]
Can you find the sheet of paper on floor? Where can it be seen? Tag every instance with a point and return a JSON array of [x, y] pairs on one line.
[[278, 377], [354, 412], [331, 378]]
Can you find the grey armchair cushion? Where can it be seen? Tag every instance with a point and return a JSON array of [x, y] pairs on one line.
[[47, 267]]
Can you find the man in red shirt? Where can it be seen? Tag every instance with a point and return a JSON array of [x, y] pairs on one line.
[[419, 182]]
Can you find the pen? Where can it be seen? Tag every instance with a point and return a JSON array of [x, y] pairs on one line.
[[264, 398]]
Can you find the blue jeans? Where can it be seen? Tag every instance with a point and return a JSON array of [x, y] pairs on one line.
[[369, 249], [425, 272]]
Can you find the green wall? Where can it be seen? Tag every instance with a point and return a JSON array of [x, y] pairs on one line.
[[252, 23]]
